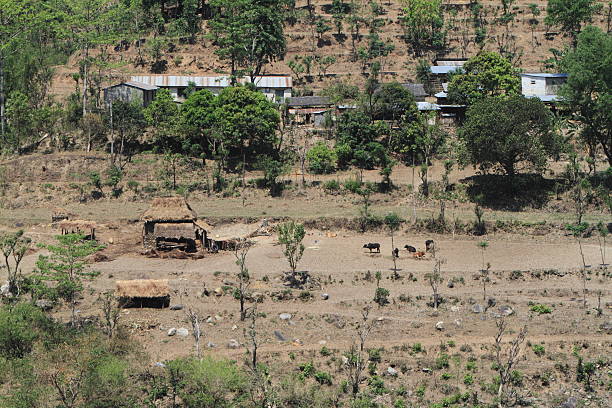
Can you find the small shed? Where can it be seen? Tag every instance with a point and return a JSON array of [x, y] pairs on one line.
[[226, 237], [87, 228], [154, 293], [60, 214], [131, 92], [170, 223], [417, 90]]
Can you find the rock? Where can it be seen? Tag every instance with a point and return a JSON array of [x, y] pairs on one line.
[[210, 344], [218, 292], [44, 304], [285, 316], [491, 302], [4, 289], [234, 327], [183, 332], [455, 308], [297, 342], [476, 308], [227, 282], [159, 364], [322, 342], [233, 344], [451, 284], [210, 320], [458, 322], [506, 310], [392, 372], [111, 240], [426, 370], [606, 326], [279, 336], [324, 296], [345, 360], [440, 326], [336, 320], [571, 402], [177, 307], [218, 318], [172, 331]]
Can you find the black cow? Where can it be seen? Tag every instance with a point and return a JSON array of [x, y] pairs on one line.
[[372, 246], [410, 248], [396, 253], [429, 245]]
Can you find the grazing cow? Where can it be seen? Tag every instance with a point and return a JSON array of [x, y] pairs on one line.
[[410, 248], [419, 255], [373, 245], [396, 253], [429, 245]]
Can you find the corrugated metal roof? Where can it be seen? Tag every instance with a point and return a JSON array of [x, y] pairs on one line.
[[426, 106], [308, 101], [135, 84], [441, 95], [416, 89], [181, 81], [443, 69], [544, 75]]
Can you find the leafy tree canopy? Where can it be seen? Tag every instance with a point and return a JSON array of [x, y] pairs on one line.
[[423, 23], [570, 15], [486, 74], [507, 131], [587, 92]]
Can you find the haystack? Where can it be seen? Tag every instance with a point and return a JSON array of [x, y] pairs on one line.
[[143, 292], [169, 209]]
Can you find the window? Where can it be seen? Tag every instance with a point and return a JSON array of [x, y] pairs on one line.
[[533, 82]]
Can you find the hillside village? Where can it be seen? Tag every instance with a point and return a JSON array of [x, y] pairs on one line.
[[304, 203]]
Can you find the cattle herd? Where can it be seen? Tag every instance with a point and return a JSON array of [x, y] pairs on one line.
[[429, 247]]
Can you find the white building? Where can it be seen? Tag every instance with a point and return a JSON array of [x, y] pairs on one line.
[[543, 86], [276, 88]]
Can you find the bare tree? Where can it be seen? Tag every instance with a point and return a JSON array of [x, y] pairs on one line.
[[194, 318], [506, 362], [486, 267], [435, 278], [261, 391], [356, 360], [111, 313], [13, 247], [241, 251]]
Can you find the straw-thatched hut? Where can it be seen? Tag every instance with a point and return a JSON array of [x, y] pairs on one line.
[[87, 228], [171, 223], [143, 293], [60, 214]]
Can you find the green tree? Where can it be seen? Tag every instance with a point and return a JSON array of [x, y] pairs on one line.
[[65, 268], [128, 122], [272, 168], [248, 34], [162, 115], [197, 121], [571, 15], [486, 74], [588, 90], [20, 326], [321, 159], [290, 236], [13, 247], [245, 122], [505, 132], [423, 25]]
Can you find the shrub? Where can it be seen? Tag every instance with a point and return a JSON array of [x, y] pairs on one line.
[[352, 186], [321, 159], [417, 348], [323, 378], [377, 385], [307, 369], [538, 350], [468, 379], [374, 355], [20, 328], [325, 351], [541, 309], [442, 362], [446, 376], [381, 296], [332, 186]]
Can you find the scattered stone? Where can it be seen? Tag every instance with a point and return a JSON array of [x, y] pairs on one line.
[[111, 240], [210, 320], [571, 402], [159, 364], [336, 320], [234, 327], [218, 318], [491, 302], [606, 326], [183, 332], [233, 344], [218, 292], [458, 322], [322, 342], [455, 308], [345, 360], [476, 308], [279, 336], [506, 310], [426, 370], [380, 319], [297, 342], [285, 316], [177, 307], [392, 372], [172, 331], [210, 344], [227, 282], [451, 284], [4, 289], [440, 326], [44, 304], [324, 296]]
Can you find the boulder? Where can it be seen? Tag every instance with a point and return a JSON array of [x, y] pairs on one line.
[[159, 364], [172, 331], [183, 332], [392, 372], [210, 344], [440, 325], [4, 289], [336, 320], [324, 296], [177, 307], [451, 284], [606, 326], [279, 336], [285, 316], [458, 322], [506, 310], [44, 304], [476, 308], [218, 292], [571, 402], [233, 344]]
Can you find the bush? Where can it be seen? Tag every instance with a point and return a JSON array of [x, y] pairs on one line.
[[374, 355], [20, 328], [325, 351], [323, 378], [442, 362], [381, 296], [541, 309], [332, 186], [468, 379], [538, 350], [352, 186], [321, 159]]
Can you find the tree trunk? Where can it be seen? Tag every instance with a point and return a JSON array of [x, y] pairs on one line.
[[2, 98]]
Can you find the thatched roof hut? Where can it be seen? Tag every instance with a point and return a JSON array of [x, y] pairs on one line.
[[169, 209], [60, 214], [78, 227], [143, 292], [175, 230]]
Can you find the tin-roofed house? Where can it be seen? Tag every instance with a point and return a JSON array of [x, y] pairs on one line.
[[309, 109], [130, 92], [170, 223], [543, 86]]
